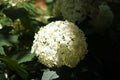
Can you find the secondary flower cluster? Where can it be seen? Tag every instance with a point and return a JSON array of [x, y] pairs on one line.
[[73, 10], [59, 43], [104, 19], [96, 12]]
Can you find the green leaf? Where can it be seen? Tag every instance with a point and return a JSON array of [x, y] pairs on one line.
[[49, 75], [7, 41], [5, 21], [30, 7], [13, 38], [15, 13], [2, 71], [2, 52], [48, 1], [4, 42], [2, 77], [26, 58], [14, 66]]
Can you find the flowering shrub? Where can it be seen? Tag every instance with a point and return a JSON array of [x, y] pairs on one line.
[[60, 43]]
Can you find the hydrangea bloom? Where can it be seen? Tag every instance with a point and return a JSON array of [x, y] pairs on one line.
[[72, 10], [59, 43], [99, 14]]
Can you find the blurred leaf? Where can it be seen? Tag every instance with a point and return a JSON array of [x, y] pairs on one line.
[[112, 1], [49, 1], [57, 18], [15, 13], [37, 23], [2, 77], [7, 41], [2, 71], [49, 75], [14, 66], [2, 52], [3, 42], [26, 58], [6, 30], [13, 38], [5, 21], [31, 8]]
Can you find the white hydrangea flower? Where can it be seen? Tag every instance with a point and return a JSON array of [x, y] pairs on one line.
[[1, 26], [59, 43], [72, 10]]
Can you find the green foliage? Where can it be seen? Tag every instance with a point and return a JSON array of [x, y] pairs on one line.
[[2, 71], [31, 9], [5, 21], [14, 66], [26, 58], [2, 52], [49, 1], [19, 20], [49, 75], [8, 40]]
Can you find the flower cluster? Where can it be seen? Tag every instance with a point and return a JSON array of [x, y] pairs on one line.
[[59, 43], [77, 11], [72, 10]]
